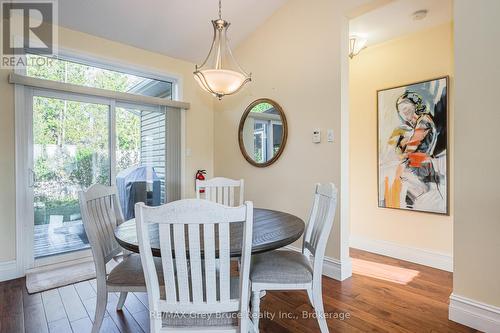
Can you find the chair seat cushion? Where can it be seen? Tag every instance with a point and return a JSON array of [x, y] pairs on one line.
[[129, 272], [280, 267]]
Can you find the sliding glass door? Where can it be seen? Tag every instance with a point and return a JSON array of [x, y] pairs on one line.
[[71, 151], [78, 141], [81, 122]]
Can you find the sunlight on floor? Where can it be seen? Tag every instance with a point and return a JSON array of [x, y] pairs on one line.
[[384, 272]]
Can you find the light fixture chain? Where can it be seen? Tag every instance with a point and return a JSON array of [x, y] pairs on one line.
[[220, 9]]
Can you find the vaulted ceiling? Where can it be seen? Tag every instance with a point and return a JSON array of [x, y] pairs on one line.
[[177, 28], [395, 19]]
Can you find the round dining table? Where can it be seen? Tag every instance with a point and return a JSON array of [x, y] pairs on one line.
[[271, 230]]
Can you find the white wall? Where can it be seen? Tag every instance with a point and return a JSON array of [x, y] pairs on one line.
[[477, 119], [476, 278]]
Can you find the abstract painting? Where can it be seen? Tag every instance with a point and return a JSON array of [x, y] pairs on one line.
[[413, 146]]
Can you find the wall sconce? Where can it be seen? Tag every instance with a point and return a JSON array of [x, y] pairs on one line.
[[356, 45]]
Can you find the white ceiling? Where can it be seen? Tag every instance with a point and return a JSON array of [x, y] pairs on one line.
[[177, 28], [395, 19]]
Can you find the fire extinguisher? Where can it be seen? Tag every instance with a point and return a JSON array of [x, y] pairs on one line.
[[200, 175]]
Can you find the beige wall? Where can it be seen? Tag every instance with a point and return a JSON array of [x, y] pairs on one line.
[[416, 57], [477, 215], [199, 119], [295, 60]]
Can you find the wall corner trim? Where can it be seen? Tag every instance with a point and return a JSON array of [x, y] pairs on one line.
[[339, 270], [412, 254], [9, 270], [478, 315]]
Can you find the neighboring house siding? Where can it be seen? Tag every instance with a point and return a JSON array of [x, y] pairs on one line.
[[153, 144]]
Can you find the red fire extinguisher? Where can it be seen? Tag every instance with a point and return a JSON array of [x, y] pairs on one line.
[[200, 175]]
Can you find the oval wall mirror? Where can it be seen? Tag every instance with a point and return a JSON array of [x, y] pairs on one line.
[[262, 132]]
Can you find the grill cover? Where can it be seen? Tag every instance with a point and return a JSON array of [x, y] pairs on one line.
[[138, 184]]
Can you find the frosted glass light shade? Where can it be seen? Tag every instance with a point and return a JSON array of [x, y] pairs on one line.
[[220, 81]]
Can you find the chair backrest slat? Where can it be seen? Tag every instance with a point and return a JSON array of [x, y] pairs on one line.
[[106, 223], [200, 281], [220, 198], [213, 193], [167, 262], [195, 263], [320, 220], [224, 260], [231, 195], [225, 199], [221, 190], [181, 264], [101, 213], [210, 262]]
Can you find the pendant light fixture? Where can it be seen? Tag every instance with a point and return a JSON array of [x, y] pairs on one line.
[[220, 74]]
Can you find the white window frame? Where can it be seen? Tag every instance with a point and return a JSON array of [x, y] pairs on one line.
[[267, 134], [271, 134], [263, 137], [24, 150]]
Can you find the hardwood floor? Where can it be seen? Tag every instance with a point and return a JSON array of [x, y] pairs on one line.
[[384, 295]]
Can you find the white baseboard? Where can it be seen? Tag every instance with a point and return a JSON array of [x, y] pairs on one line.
[[407, 253], [9, 270], [480, 316], [336, 269], [333, 268]]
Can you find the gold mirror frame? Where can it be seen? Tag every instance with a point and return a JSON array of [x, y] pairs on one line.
[[242, 124]]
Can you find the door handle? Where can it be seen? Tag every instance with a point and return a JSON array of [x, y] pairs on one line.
[[31, 177]]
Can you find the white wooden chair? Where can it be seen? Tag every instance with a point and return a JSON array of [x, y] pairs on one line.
[[195, 290], [291, 270], [101, 213], [221, 190]]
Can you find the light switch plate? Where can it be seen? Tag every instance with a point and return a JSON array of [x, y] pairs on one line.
[[329, 135]]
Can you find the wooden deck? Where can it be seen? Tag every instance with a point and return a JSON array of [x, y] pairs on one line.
[[383, 295], [58, 237]]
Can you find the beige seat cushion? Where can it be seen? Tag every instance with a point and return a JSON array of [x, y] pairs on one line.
[[129, 272], [280, 267]]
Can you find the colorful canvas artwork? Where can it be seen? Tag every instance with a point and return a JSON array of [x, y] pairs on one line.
[[413, 146]]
